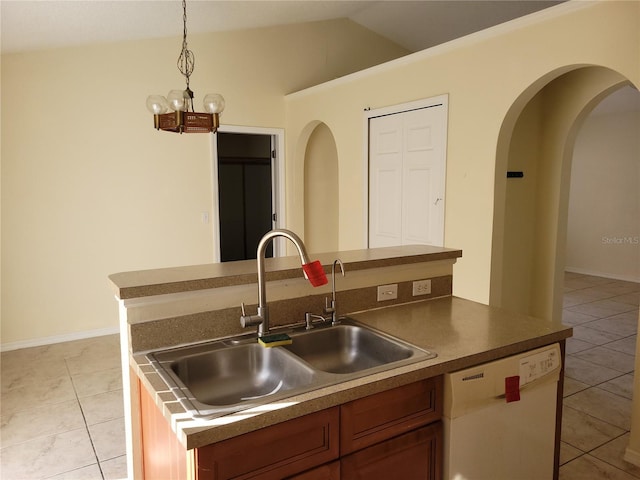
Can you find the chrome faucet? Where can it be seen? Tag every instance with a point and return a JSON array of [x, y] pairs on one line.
[[333, 309], [313, 272]]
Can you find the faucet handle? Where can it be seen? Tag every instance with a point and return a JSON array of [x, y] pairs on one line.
[[329, 308], [249, 320]]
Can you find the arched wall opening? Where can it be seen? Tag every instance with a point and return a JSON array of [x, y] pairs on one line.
[[603, 227], [530, 216], [321, 212]]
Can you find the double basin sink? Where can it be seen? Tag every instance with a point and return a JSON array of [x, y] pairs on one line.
[[226, 376]]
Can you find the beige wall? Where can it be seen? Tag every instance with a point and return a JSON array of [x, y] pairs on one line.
[[321, 201], [511, 286], [485, 75], [89, 188], [632, 452], [603, 236]]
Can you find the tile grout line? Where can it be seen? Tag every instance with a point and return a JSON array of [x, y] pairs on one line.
[[598, 386], [599, 419], [583, 453], [609, 463], [84, 418]]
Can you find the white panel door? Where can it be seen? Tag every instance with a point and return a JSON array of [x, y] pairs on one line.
[[385, 182], [410, 208], [423, 160]]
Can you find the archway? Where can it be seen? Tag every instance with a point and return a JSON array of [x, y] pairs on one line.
[[603, 231], [530, 215]]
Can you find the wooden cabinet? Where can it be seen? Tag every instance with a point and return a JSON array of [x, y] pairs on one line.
[[375, 418], [163, 456], [330, 471], [416, 455], [274, 452], [392, 434]]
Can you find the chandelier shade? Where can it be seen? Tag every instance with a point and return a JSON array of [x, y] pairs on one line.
[[175, 112]]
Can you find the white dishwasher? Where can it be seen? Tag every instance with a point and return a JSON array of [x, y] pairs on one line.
[[500, 418]]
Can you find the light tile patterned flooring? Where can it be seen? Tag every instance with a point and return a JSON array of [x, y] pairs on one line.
[[62, 410], [62, 414], [598, 377]]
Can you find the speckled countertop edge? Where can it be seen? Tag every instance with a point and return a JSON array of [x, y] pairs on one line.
[[463, 333], [144, 283]]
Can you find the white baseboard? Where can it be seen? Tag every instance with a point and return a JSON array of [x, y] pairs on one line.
[[584, 271], [38, 342], [632, 456]]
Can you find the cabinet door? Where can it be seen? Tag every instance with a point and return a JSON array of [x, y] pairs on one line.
[[372, 419], [330, 471], [416, 455], [275, 452], [163, 456]]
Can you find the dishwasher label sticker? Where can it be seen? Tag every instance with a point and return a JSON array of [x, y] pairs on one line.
[[538, 365]]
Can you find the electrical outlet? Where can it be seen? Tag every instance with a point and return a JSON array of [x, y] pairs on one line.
[[387, 292], [421, 287]]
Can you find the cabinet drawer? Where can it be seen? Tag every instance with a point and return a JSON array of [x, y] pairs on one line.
[[274, 452], [378, 417], [416, 455], [330, 471]]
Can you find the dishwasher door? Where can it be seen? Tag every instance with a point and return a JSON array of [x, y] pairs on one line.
[[500, 418]]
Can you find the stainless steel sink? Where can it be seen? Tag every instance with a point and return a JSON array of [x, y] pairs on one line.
[[238, 374], [217, 378], [220, 377], [347, 349]]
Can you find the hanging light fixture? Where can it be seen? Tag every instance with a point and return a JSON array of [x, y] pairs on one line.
[[175, 112]]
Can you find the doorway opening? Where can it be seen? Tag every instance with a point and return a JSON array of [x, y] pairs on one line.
[[537, 138], [247, 184], [603, 231]]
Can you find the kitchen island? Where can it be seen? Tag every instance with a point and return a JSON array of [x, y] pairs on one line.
[[177, 306]]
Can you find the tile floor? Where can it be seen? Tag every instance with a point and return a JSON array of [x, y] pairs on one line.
[[598, 377], [62, 414]]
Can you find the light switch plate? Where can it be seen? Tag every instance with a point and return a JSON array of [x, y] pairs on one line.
[[387, 292]]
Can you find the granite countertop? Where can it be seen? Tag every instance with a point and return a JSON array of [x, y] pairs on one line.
[[463, 333], [145, 283]]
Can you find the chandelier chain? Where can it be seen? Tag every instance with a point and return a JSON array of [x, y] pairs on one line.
[[186, 60]]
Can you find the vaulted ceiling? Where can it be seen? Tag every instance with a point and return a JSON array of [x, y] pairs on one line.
[[416, 25]]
